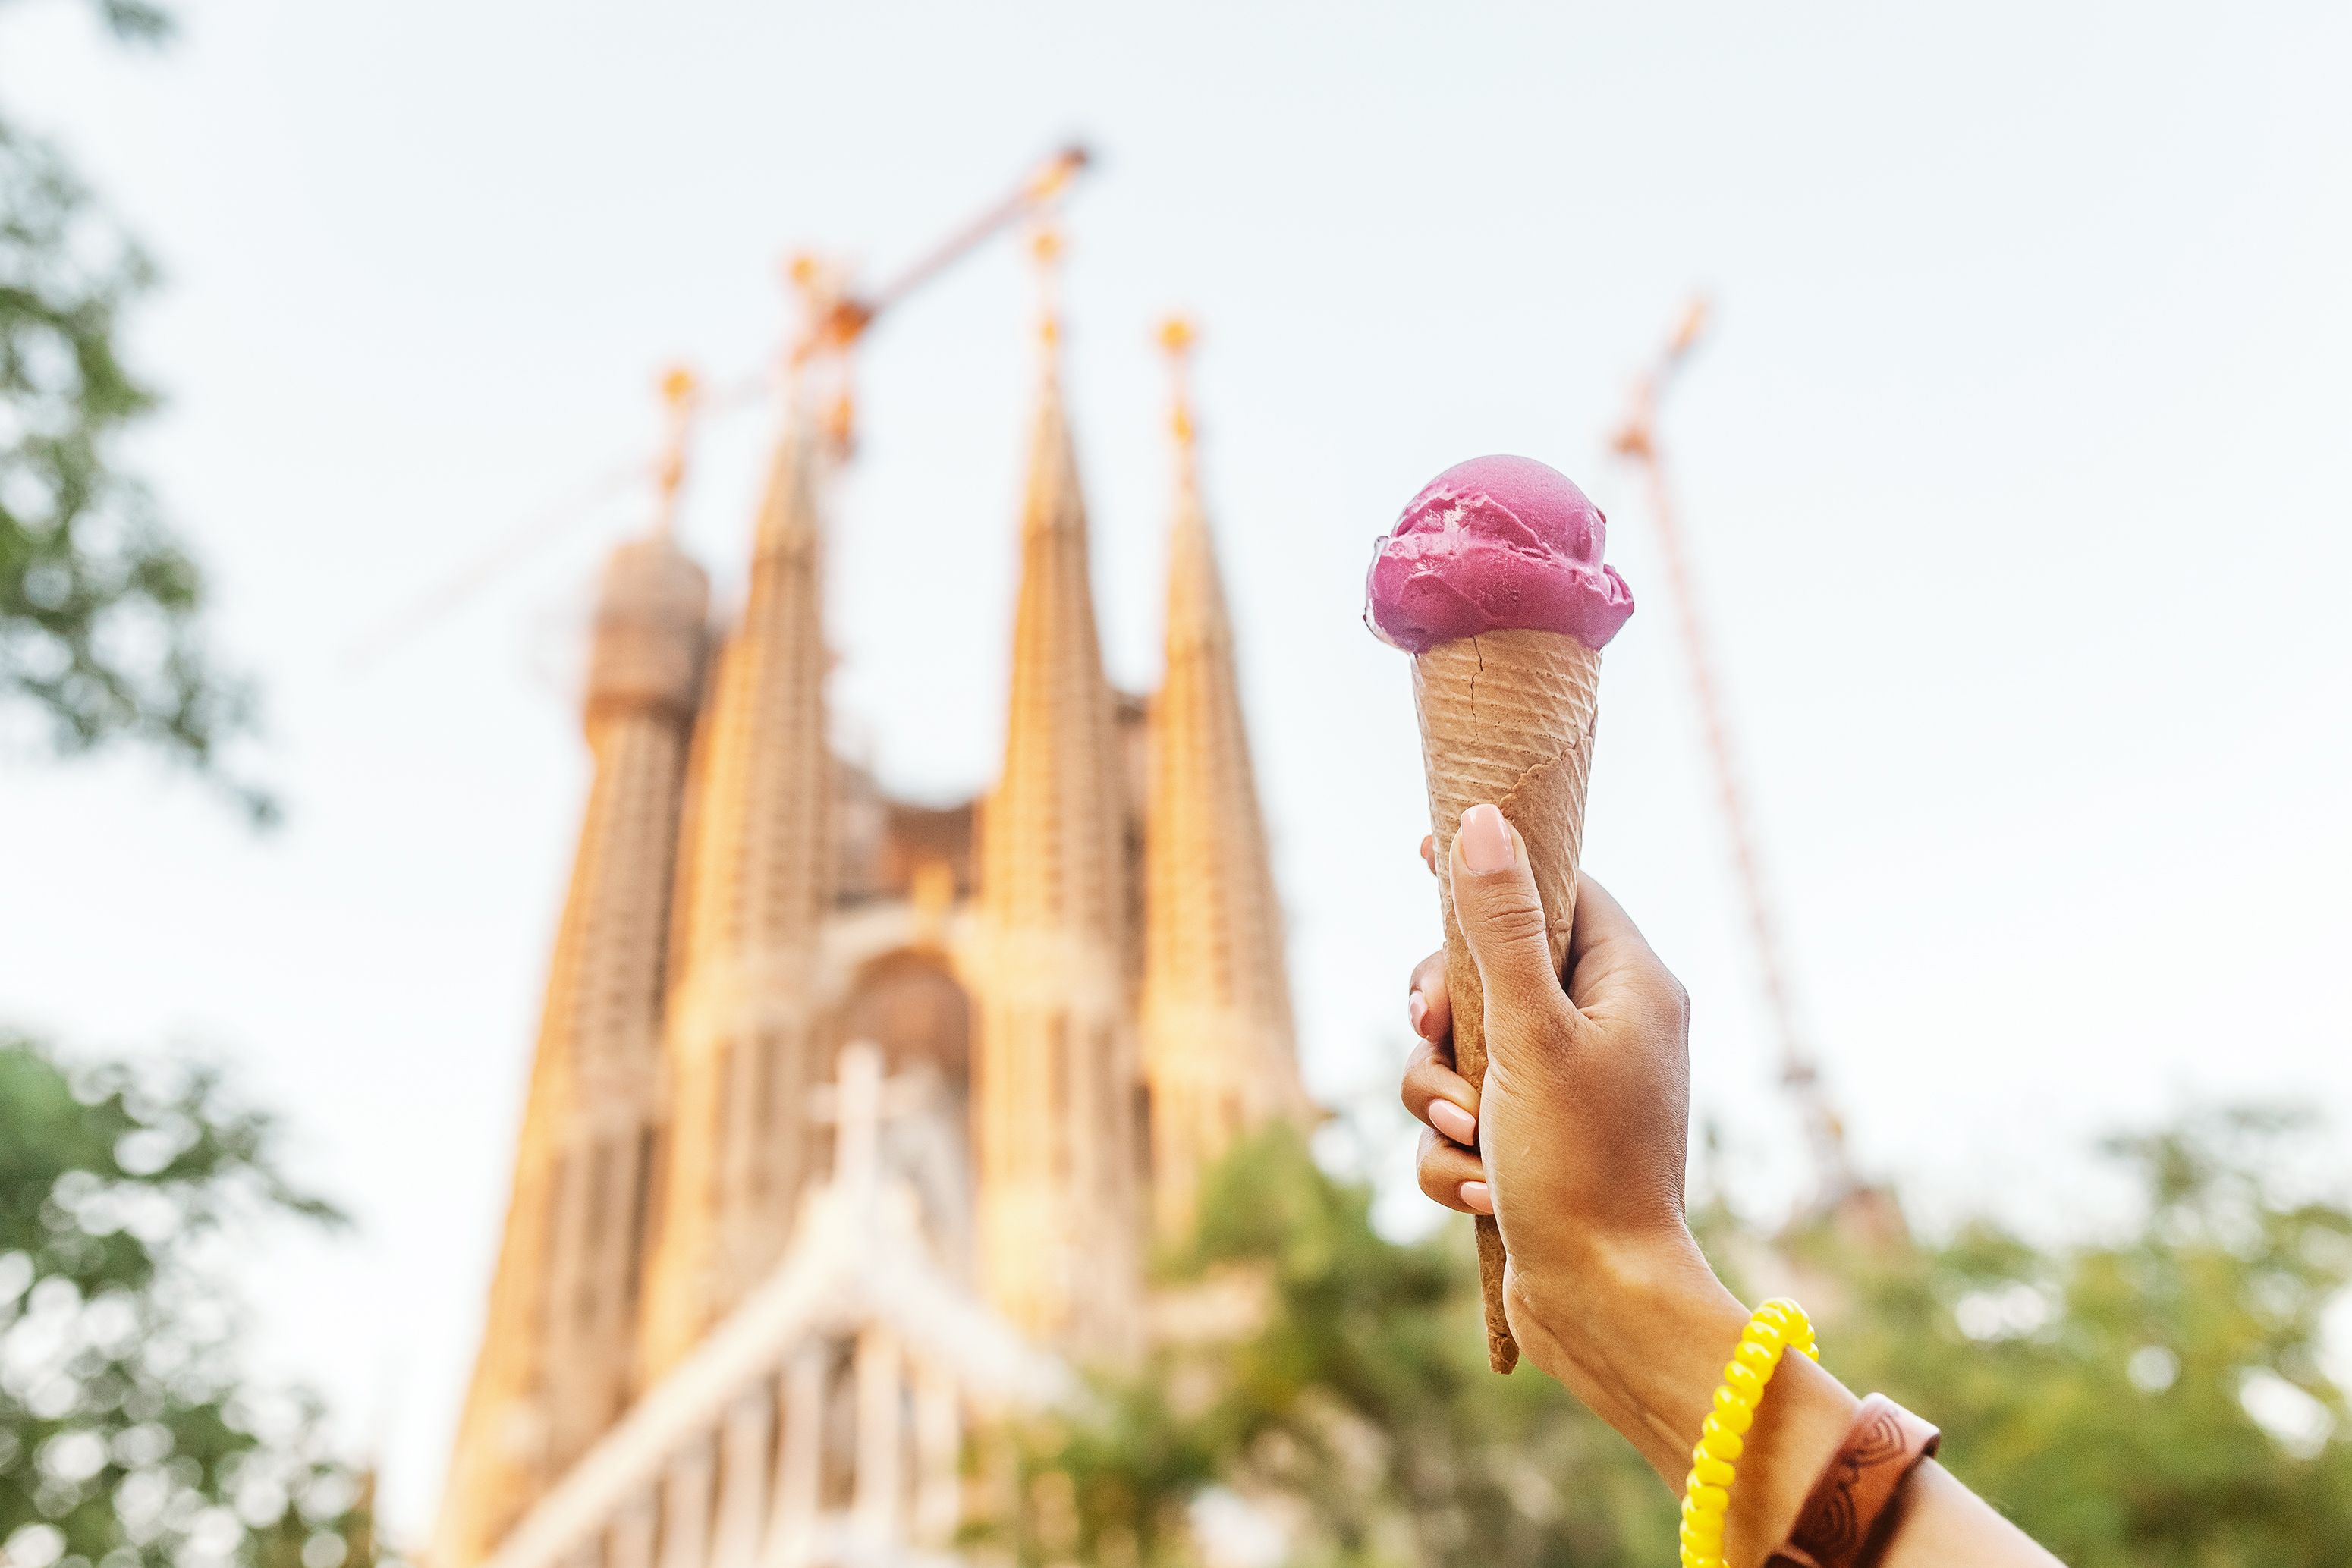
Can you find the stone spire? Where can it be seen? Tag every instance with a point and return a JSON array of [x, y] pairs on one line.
[[752, 893], [1218, 1052], [558, 1350], [1057, 1075]]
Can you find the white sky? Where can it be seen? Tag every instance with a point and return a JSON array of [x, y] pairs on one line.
[[2016, 470]]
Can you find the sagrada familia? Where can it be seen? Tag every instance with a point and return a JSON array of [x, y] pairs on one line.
[[851, 1120]]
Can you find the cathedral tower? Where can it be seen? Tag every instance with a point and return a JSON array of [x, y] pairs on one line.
[[556, 1362], [1218, 1052], [1056, 1071], [753, 895]]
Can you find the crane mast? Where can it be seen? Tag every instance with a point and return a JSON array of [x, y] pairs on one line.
[[1636, 440]]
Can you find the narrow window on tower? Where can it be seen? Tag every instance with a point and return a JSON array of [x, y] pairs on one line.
[[558, 1242], [1114, 1100], [768, 1044], [641, 1208], [592, 1228], [1057, 1094], [1142, 1133]]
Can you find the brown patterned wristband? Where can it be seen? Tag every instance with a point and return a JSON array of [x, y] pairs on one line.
[[1843, 1521]]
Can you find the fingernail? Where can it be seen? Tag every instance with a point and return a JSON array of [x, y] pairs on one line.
[[1476, 1198], [1453, 1122], [1485, 841], [1416, 1011]]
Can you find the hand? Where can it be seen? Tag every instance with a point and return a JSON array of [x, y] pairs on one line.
[[1581, 1133], [1591, 1084]]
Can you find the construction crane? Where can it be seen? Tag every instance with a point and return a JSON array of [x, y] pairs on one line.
[[843, 316], [834, 317], [1637, 440]]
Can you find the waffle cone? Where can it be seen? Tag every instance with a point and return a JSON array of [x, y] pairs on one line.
[[1506, 717]]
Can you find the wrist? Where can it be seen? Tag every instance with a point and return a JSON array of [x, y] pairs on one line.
[[1639, 1331], [1641, 1334]]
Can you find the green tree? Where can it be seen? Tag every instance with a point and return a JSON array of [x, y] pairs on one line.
[[100, 606], [1356, 1403], [2152, 1398], [128, 1433]]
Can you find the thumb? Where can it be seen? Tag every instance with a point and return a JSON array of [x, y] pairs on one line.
[[1501, 914]]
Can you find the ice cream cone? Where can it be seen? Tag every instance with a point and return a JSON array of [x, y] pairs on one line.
[[1493, 581], [1507, 717]]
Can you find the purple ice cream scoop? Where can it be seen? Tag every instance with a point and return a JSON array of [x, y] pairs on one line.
[[1492, 544]]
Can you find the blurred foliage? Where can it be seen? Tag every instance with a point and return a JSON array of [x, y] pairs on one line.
[[99, 605], [2153, 1398], [134, 21], [1358, 1407], [128, 1436]]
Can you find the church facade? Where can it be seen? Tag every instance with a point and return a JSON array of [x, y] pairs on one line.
[[850, 1120]]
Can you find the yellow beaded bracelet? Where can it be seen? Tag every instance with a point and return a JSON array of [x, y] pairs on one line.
[[1776, 1325]]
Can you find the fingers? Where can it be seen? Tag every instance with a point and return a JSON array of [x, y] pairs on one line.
[[1501, 915], [1440, 1097], [1429, 1006], [1451, 1174], [1613, 973], [1429, 852]]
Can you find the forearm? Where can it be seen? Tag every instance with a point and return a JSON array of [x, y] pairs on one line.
[[1942, 1523], [1644, 1341]]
